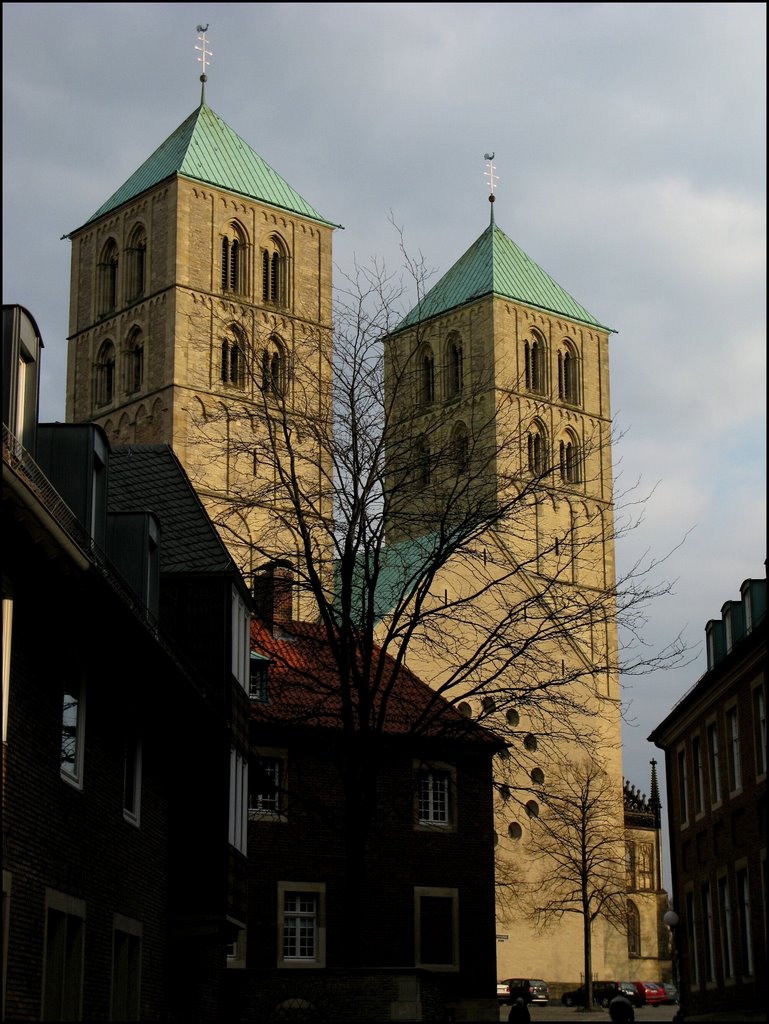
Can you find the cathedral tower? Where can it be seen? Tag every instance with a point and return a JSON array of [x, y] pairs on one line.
[[198, 288]]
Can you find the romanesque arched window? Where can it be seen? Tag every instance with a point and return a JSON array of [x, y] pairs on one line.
[[568, 374], [233, 359], [136, 264], [426, 368], [274, 374], [454, 365], [108, 271], [534, 363], [234, 260], [633, 929], [424, 468], [461, 449], [275, 272], [104, 377], [536, 444], [570, 460], [134, 361]]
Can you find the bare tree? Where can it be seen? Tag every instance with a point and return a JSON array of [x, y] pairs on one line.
[[439, 530], [578, 839]]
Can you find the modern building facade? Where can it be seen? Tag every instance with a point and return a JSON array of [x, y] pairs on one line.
[[715, 754]]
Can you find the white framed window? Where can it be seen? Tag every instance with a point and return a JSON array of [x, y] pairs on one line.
[[63, 949], [733, 749], [301, 924], [725, 927], [267, 785], [683, 789], [436, 928], [241, 640], [126, 968], [759, 729], [259, 678], [132, 777], [714, 766], [238, 819], [435, 795], [73, 731]]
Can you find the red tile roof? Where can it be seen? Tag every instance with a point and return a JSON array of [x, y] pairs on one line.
[[304, 689]]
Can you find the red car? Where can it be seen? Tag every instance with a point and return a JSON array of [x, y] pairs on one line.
[[651, 993]]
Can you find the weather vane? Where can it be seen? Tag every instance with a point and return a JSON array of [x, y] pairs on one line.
[[205, 53], [493, 179]]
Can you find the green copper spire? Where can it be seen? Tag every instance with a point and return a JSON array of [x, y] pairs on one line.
[[206, 149], [494, 265]]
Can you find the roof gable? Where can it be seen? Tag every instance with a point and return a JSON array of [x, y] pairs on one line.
[[206, 149], [494, 265]]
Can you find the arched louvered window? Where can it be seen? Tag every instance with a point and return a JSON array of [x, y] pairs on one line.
[[108, 278], [633, 929], [570, 461], [134, 361], [461, 449], [233, 364], [426, 377], [454, 366], [568, 374], [424, 468], [275, 272], [534, 364], [274, 369], [537, 450], [234, 260], [105, 374], [136, 259]]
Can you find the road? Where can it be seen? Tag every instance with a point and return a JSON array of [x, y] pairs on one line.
[[574, 1015]]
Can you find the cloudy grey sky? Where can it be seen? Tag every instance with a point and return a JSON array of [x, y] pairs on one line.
[[630, 147]]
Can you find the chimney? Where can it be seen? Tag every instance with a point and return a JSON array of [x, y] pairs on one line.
[[273, 595]]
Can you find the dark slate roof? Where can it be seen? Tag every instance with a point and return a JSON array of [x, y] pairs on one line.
[[304, 690], [494, 265], [204, 148], [150, 478]]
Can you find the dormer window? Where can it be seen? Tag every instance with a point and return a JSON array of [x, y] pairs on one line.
[[259, 679]]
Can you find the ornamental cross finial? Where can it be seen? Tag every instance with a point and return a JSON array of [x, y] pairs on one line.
[[490, 173], [205, 53]]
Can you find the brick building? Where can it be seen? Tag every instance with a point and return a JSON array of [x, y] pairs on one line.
[[123, 879], [715, 754], [383, 916]]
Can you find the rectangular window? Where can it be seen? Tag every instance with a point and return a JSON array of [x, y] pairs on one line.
[[238, 819], [713, 764], [132, 778], [241, 639], [725, 923], [73, 732], [266, 787], [63, 957], [259, 679], [691, 934], [697, 766], [683, 801], [745, 931], [434, 796], [707, 931], [759, 728], [436, 928], [645, 866], [126, 968], [733, 740], [301, 938]]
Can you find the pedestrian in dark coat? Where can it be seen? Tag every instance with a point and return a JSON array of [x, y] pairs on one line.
[[519, 1011], [621, 1009]]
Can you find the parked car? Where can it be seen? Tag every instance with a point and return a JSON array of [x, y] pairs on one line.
[[531, 990], [603, 993], [653, 994], [671, 992], [628, 989]]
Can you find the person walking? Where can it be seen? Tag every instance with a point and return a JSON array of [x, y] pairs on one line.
[[621, 1009], [519, 1011]]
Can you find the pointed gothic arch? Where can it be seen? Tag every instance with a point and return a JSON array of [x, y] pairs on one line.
[[633, 929], [536, 448], [426, 376], [107, 288], [275, 263], [568, 373], [535, 362], [454, 365], [133, 361], [274, 368], [104, 374], [570, 458], [136, 264], [234, 358]]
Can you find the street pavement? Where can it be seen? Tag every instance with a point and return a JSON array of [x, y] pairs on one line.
[[555, 1011]]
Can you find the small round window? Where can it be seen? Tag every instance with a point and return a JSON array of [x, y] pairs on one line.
[[514, 830], [513, 718], [489, 704], [465, 709], [537, 776], [504, 791], [532, 808], [530, 742]]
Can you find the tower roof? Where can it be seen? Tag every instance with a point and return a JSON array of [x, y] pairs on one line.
[[494, 265], [206, 149]]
